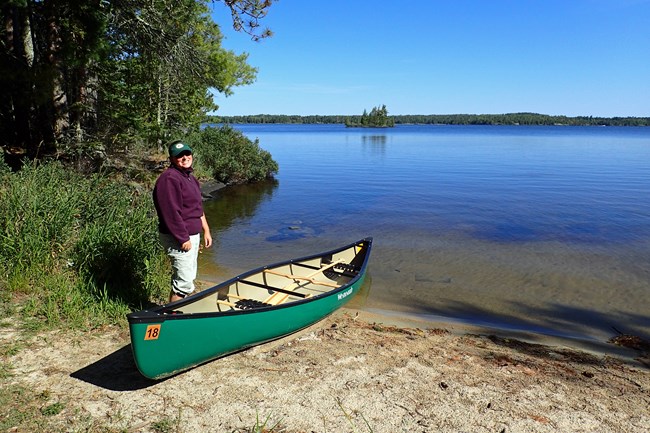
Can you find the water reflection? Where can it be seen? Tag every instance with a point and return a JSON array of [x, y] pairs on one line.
[[376, 143], [237, 202], [360, 300]]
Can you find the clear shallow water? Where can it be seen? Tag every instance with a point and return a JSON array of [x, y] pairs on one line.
[[533, 228]]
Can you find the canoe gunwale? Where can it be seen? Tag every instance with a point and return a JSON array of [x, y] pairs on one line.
[[158, 315]]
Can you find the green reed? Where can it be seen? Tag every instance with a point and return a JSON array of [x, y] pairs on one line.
[[84, 249]]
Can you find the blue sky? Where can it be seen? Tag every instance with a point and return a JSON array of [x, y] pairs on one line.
[[558, 57]]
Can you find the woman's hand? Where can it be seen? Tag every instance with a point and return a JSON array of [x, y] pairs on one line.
[[207, 236]]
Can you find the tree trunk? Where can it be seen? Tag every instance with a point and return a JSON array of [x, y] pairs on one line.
[[57, 110], [20, 59]]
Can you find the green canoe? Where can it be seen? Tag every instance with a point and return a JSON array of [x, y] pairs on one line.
[[252, 308]]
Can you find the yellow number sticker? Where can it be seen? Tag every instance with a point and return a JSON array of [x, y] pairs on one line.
[[152, 333]]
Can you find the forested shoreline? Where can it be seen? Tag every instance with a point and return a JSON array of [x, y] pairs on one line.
[[441, 119]]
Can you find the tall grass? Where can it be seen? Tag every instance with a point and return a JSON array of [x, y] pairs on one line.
[[79, 250]]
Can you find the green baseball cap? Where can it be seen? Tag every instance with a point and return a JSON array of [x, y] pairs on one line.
[[176, 147]]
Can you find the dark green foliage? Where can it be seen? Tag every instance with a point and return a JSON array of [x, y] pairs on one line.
[[85, 76], [230, 157], [378, 118]]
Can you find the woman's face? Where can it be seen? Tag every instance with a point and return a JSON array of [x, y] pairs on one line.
[[183, 160]]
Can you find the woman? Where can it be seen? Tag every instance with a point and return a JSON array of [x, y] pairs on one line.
[[178, 202]]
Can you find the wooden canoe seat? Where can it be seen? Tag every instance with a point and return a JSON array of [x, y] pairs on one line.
[[279, 297]]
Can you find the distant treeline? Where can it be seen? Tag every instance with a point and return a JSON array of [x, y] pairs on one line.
[[444, 119]]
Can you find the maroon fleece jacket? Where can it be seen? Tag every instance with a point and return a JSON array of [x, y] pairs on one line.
[[177, 198]]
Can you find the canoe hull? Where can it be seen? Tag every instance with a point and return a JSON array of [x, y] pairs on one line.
[[166, 344]]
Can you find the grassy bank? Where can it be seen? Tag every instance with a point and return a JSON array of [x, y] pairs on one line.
[[76, 250]]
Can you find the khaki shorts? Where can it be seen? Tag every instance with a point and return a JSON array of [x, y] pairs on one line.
[[184, 263]]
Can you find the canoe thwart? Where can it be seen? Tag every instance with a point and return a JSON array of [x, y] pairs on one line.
[[296, 277], [271, 288]]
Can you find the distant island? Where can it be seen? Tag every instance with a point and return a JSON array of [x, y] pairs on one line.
[[378, 118], [442, 119]]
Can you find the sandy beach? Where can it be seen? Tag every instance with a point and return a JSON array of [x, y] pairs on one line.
[[348, 373]]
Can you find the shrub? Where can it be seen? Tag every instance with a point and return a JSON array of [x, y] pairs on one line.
[[230, 157]]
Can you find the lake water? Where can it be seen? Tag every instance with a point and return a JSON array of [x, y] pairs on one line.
[[541, 229]]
